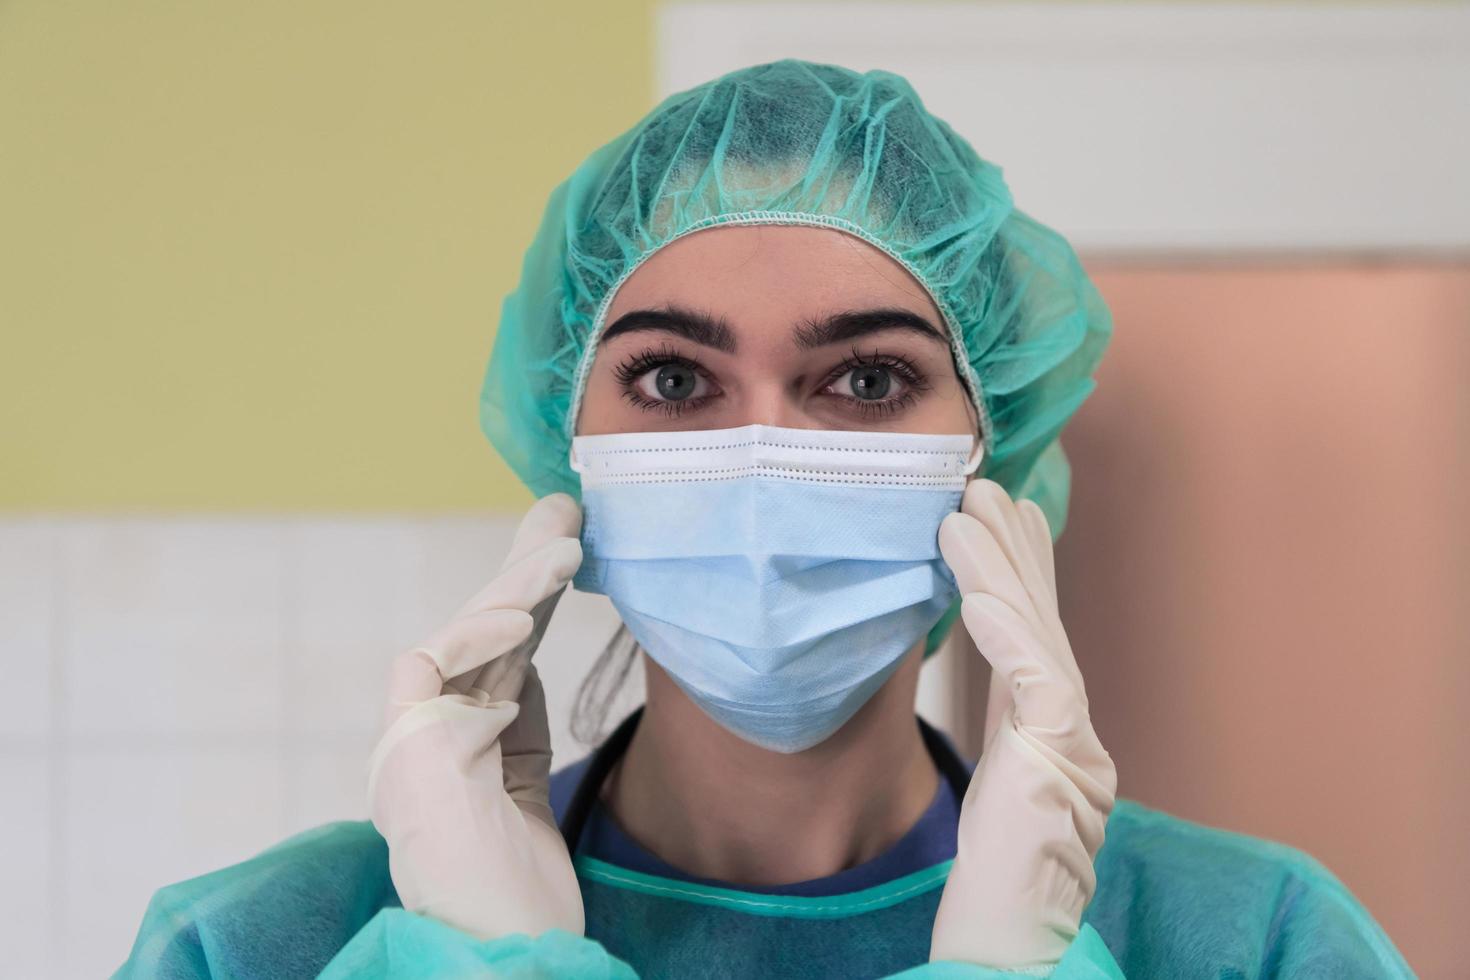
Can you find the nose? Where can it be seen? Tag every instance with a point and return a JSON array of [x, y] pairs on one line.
[[770, 404]]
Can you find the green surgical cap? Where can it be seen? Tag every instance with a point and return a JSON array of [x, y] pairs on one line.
[[792, 142]]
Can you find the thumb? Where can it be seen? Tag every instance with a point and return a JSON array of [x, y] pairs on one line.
[[526, 750]]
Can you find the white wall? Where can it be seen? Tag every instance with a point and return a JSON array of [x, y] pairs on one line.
[[182, 693]]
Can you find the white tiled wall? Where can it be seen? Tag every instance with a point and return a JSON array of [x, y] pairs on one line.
[[181, 693]]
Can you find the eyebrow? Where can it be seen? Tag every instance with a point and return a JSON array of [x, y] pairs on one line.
[[692, 325], [820, 331]]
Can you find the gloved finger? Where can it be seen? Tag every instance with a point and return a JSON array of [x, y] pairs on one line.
[[530, 579], [1044, 699], [469, 642], [1038, 531], [412, 677], [550, 567], [981, 567], [430, 756], [1033, 519], [502, 677], [553, 516], [990, 504], [979, 564]]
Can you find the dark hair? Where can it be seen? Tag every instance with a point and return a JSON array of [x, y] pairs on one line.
[[599, 689]]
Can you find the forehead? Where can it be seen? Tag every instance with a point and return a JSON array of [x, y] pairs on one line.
[[771, 272]]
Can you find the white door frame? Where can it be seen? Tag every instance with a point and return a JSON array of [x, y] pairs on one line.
[[1163, 129]]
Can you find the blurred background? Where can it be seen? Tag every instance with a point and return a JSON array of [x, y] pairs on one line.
[[251, 262]]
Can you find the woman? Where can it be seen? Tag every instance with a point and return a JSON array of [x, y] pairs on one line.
[[806, 368]]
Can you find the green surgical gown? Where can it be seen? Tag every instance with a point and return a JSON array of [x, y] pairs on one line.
[[1174, 899]]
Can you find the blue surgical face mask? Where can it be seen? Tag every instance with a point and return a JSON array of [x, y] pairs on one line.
[[777, 575]]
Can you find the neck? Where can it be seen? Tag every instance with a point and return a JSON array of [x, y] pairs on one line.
[[716, 806]]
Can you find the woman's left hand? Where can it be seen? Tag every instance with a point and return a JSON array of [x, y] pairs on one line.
[[1033, 817]]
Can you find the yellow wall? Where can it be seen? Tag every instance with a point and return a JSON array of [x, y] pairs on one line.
[[252, 254]]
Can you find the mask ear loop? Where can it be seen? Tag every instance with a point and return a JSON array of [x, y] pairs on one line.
[[976, 455], [577, 465]]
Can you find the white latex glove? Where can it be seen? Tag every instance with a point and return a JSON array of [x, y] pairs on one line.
[[458, 783], [1033, 817]]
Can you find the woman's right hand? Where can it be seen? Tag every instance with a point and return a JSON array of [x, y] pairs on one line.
[[458, 782]]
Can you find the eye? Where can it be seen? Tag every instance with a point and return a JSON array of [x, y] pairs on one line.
[[663, 380], [876, 384], [870, 382], [672, 382]]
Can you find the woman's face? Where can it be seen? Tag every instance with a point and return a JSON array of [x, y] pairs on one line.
[[788, 325]]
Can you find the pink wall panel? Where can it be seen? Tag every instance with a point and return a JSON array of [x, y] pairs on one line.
[[1266, 566]]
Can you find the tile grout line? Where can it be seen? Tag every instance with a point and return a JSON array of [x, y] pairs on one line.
[[58, 785]]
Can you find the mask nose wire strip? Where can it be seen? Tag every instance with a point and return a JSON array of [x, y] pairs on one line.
[[632, 454]]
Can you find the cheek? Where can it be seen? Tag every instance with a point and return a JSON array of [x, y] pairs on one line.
[[947, 411], [946, 407], [603, 406]]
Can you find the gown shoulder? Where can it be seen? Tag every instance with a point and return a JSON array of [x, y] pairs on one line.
[[285, 912], [1183, 899]]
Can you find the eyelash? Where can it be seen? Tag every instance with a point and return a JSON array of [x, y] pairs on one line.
[[914, 382], [637, 365]]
